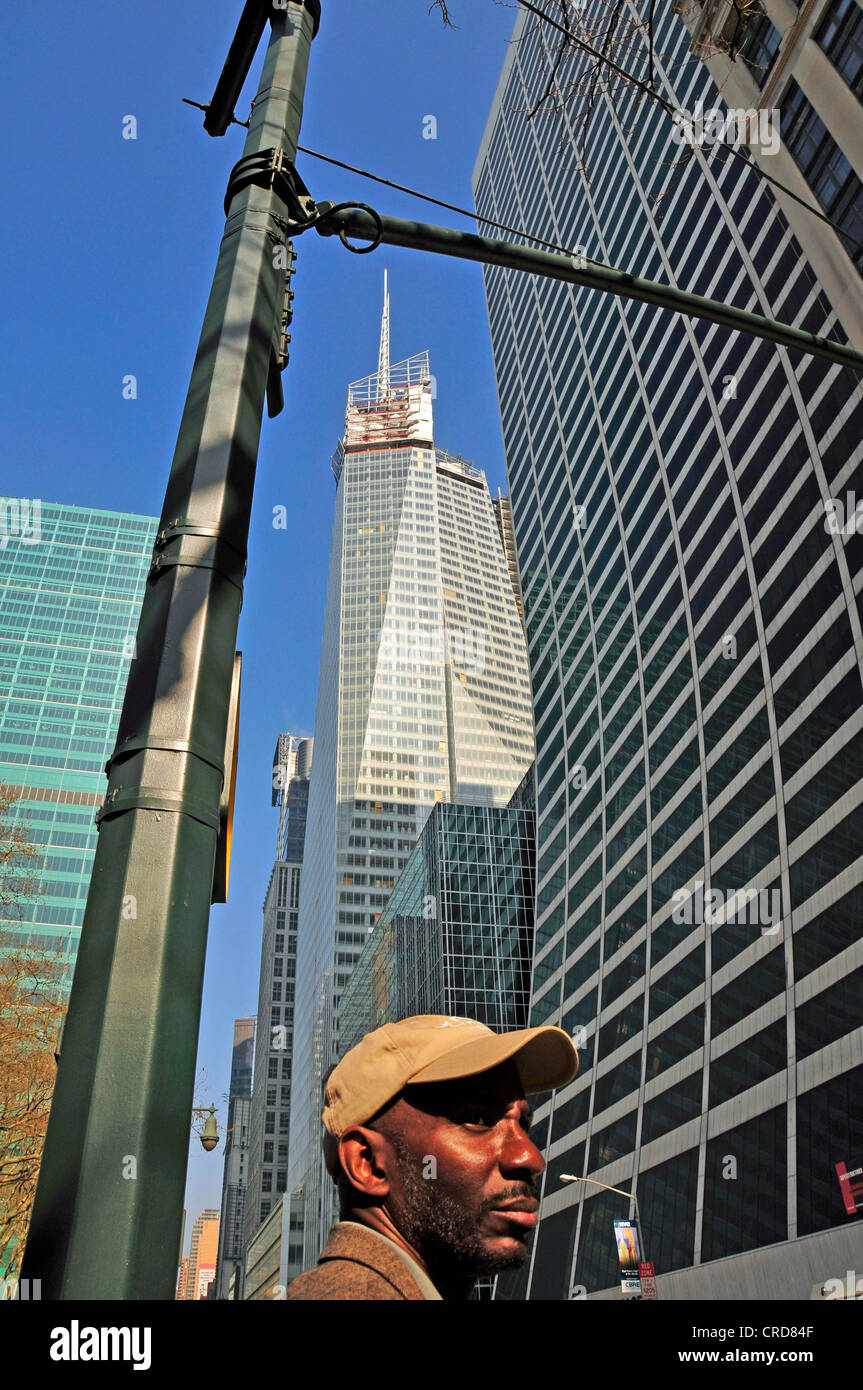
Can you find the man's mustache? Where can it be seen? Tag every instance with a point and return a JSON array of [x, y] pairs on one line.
[[514, 1193]]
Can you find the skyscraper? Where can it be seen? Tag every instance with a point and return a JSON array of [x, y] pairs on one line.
[[423, 696], [202, 1254], [231, 1255], [71, 586], [803, 65], [271, 1091], [456, 936], [681, 499]]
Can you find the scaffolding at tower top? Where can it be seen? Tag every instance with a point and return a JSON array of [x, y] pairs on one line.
[[382, 413]]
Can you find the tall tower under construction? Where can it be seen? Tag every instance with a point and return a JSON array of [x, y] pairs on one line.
[[424, 696]]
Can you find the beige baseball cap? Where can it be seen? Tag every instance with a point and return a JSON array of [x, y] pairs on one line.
[[435, 1047]]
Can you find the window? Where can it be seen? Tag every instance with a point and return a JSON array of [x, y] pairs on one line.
[[829, 1131], [760, 45], [753, 1061], [841, 37], [666, 1197], [675, 1043], [672, 1108], [752, 1210], [825, 168], [830, 1014], [746, 993]]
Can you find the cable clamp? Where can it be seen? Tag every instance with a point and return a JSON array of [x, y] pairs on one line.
[[271, 169]]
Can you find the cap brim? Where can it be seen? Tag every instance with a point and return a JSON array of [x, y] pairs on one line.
[[546, 1058]]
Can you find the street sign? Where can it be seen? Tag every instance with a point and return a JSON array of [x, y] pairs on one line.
[[647, 1278]]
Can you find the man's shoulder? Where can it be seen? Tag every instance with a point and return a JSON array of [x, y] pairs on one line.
[[343, 1279], [356, 1264]]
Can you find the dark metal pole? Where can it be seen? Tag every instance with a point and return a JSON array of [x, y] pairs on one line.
[[420, 236], [108, 1209]]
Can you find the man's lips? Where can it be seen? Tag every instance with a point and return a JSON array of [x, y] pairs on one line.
[[522, 1212]]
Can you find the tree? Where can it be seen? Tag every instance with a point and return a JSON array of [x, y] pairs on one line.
[[602, 48], [31, 1009], [18, 858]]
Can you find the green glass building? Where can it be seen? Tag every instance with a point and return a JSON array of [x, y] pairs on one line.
[[71, 586], [456, 936]]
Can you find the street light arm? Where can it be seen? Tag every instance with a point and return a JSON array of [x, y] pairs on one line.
[[570, 1177], [335, 220]]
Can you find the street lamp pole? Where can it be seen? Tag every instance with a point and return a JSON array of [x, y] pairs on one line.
[[106, 1219], [570, 1177]]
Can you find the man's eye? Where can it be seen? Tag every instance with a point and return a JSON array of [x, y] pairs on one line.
[[477, 1116]]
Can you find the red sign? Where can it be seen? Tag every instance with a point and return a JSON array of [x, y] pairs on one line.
[[851, 1187], [647, 1275]]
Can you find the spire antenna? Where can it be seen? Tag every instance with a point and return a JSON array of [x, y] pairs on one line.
[[384, 352]]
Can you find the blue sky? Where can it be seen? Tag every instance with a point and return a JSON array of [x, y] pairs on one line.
[[109, 250]]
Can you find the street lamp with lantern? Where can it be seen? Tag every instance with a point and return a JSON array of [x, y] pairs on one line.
[[209, 1135]]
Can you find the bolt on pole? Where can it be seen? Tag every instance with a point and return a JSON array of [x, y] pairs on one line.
[[108, 1209]]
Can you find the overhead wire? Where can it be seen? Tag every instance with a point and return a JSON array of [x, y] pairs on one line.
[[672, 111], [438, 202]]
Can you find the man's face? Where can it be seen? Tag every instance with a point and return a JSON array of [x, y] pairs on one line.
[[462, 1186]]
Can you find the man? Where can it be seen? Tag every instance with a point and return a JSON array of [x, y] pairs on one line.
[[427, 1138]]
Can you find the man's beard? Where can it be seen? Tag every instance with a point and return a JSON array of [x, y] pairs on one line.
[[440, 1228]]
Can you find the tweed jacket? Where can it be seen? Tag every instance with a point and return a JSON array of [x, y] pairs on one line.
[[356, 1264]]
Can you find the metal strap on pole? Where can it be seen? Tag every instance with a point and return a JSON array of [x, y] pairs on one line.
[[223, 557], [155, 799], [164, 745]]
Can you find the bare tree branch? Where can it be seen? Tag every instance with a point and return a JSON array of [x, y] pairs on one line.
[[444, 12]]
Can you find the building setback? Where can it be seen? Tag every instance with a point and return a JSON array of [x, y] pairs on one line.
[[423, 697], [680, 498], [71, 587], [231, 1256]]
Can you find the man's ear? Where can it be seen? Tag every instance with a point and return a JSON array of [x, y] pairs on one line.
[[365, 1157]]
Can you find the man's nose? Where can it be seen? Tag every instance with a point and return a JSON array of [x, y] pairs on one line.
[[519, 1154]]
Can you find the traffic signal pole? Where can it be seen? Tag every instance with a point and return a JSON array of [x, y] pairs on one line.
[[106, 1219]]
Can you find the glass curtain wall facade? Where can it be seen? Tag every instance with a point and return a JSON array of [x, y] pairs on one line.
[[71, 587], [269, 1124], [424, 696], [693, 611], [456, 936]]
